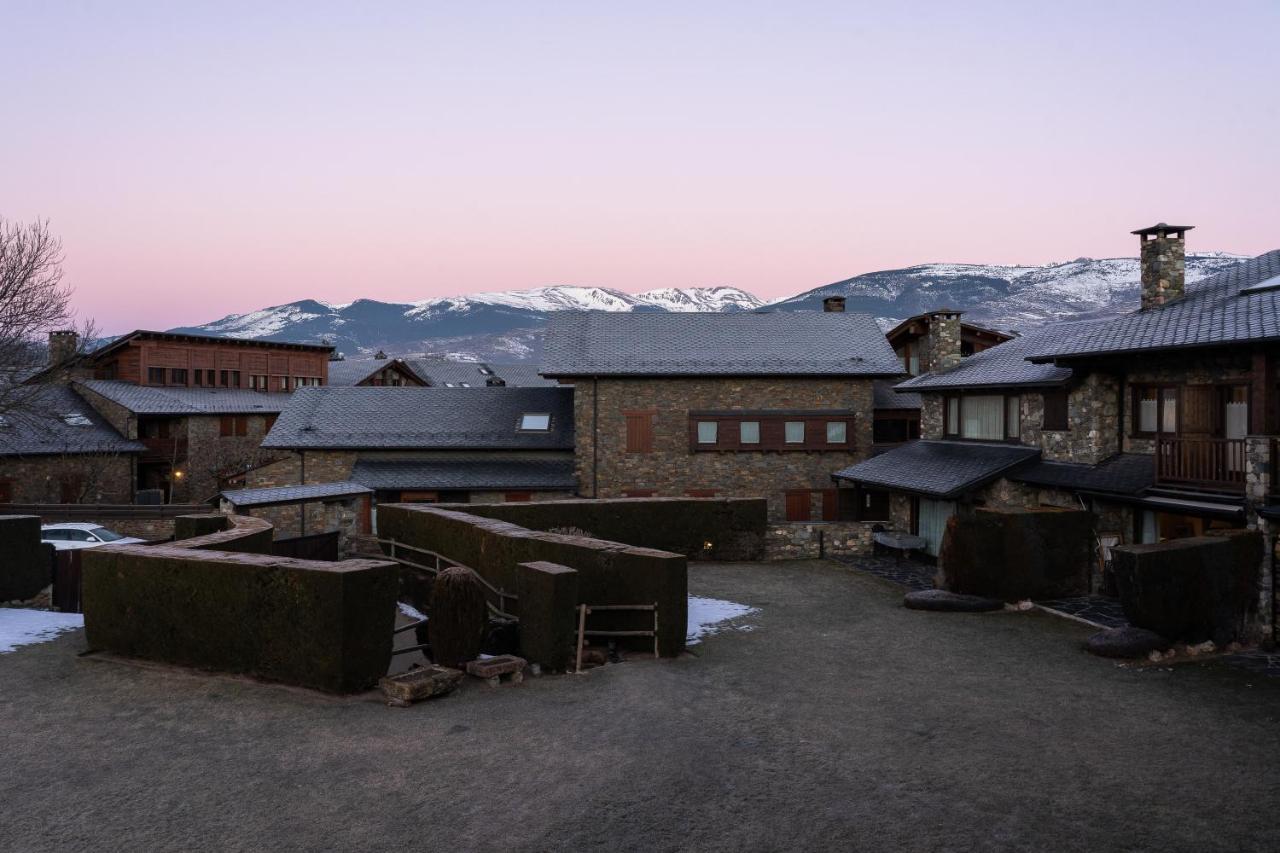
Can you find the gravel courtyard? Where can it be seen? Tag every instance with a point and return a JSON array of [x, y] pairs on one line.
[[839, 721]]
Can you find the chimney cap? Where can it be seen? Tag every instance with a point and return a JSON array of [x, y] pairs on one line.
[[1162, 229]]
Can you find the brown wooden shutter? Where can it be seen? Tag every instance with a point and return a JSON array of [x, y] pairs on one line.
[[1199, 410], [798, 505], [242, 425], [1055, 409], [226, 425], [639, 432], [830, 505], [518, 497]]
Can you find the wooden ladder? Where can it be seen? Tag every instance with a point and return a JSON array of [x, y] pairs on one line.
[[583, 633]]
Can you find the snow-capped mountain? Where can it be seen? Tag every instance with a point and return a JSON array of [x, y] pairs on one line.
[[507, 325]]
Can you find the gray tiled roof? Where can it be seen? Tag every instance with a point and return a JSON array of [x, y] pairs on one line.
[[351, 371], [745, 343], [1124, 473], [550, 474], [39, 426], [939, 469], [1006, 364], [293, 494], [886, 398], [422, 418], [443, 372], [154, 400], [1214, 312]]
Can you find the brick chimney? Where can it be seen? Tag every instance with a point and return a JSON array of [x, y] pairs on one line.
[[942, 352], [63, 345], [1164, 263], [833, 305]]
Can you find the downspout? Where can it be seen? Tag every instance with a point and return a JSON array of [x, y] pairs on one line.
[[595, 437], [302, 467]]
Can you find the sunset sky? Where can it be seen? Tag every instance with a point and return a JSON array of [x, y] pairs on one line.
[[204, 159]]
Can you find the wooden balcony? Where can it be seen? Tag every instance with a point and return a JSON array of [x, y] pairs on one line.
[[1214, 464], [163, 449]]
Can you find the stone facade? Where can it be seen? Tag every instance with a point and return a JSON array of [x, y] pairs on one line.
[[1164, 268], [1093, 407], [606, 469], [304, 468], [91, 478], [941, 347], [799, 541], [211, 454]]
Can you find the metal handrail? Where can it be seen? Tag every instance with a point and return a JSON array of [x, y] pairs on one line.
[[500, 592]]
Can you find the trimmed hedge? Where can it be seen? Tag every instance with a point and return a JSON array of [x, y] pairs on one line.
[[213, 531], [26, 563], [608, 572], [734, 527], [314, 624], [1017, 554]]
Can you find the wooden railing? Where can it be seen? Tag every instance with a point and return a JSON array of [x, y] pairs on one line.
[[1210, 463], [164, 449], [439, 562]]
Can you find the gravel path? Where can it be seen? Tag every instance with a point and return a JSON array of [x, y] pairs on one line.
[[840, 721]]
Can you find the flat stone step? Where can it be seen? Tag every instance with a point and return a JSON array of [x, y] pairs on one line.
[[496, 666], [949, 602]]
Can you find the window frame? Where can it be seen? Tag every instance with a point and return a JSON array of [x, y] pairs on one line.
[[1136, 391], [770, 427], [714, 429], [1064, 394], [957, 400], [520, 425]]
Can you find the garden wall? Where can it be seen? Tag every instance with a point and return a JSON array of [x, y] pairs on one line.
[[607, 572], [1016, 554], [734, 528], [315, 624], [26, 563]]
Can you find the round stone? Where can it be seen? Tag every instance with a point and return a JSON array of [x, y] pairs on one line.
[[1126, 642], [950, 602]]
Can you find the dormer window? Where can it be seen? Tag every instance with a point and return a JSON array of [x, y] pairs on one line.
[[535, 422], [76, 419]]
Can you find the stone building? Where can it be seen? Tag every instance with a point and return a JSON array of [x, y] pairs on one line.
[[447, 445], [304, 510], [753, 404], [430, 372], [1163, 421], [936, 339]]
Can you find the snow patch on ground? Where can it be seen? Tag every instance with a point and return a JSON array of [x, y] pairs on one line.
[[708, 615], [25, 627]]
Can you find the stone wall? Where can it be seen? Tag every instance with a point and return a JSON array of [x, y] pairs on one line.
[[1093, 406], [1163, 270], [321, 516], [932, 414], [95, 478], [209, 454], [819, 540], [304, 468], [941, 346], [672, 469]]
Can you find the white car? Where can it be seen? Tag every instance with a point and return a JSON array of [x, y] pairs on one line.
[[69, 537]]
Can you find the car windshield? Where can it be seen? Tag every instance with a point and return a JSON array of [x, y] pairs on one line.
[[106, 535]]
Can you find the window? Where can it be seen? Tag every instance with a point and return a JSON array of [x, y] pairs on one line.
[[105, 535], [230, 379], [257, 382], [749, 432], [1012, 416], [798, 505], [837, 432], [639, 431], [209, 378], [535, 423], [1055, 410], [707, 432], [282, 382], [765, 431], [895, 427], [1155, 409], [233, 425], [197, 378], [953, 416], [983, 417], [517, 497], [178, 376], [794, 432], [155, 375]]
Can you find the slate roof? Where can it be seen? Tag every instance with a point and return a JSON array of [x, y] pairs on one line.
[[938, 469], [293, 494], [43, 430], [1213, 312], [886, 398], [155, 400], [352, 371], [744, 343], [187, 337], [549, 474], [443, 371], [1124, 474], [1006, 365], [383, 418]]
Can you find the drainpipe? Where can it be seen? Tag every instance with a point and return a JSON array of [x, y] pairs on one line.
[[595, 436], [302, 467]]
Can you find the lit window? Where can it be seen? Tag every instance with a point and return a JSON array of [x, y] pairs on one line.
[[76, 419], [707, 432], [535, 423], [795, 432], [837, 432], [749, 432]]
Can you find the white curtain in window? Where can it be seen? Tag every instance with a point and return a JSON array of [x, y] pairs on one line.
[[933, 523], [1236, 425], [1169, 415], [1013, 417], [706, 432], [983, 417], [795, 432], [749, 432], [953, 416], [1147, 415]]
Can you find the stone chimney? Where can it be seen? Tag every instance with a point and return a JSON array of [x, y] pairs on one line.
[[1164, 263], [833, 305], [943, 350], [63, 345], [380, 355]]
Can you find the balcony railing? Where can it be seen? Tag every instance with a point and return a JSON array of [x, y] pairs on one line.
[[164, 449], [1217, 464]]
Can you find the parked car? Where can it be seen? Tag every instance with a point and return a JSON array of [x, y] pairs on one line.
[[68, 537]]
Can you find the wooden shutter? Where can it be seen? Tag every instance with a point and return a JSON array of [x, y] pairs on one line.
[[6, 491], [1055, 409], [226, 425], [1200, 405], [639, 431], [242, 425], [798, 505], [830, 505]]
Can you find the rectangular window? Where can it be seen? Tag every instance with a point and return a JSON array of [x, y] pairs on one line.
[[1055, 410], [1155, 409], [208, 378], [953, 416], [178, 376], [284, 383], [749, 432], [837, 432], [982, 417], [230, 379], [798, 505], [535, 423], [873, 505], [1013, 416], [639, 431], [197, 378], [707, 432], [155, 375], [794, 432]]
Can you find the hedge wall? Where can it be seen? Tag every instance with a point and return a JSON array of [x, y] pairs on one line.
[[1018, 554], [26, 564]]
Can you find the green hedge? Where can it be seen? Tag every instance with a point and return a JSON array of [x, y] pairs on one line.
[[26, 564], [240, 534], [1018, 554]]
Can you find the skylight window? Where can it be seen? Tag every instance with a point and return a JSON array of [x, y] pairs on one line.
[[1272, 283], [76, 419], [535, 422]]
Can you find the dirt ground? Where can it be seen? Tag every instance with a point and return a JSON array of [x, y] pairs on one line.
[[838, 721]]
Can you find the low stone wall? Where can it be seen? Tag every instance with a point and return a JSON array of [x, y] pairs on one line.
[[1197, 589], [1016, 554], [322, 625], [817, 540], [607, 572], [26, 564], [213, 531], [698, 528]]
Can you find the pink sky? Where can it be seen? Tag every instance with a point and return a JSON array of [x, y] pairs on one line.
[[200, 161]]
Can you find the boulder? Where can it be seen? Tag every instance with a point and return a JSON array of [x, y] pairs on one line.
[[950, 602], [418, 684], [1126, 642]]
